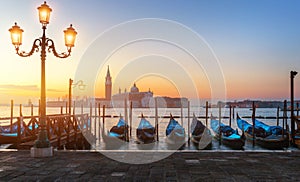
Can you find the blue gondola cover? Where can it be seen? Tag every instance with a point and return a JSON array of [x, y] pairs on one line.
[[144, 124], [174, 125]]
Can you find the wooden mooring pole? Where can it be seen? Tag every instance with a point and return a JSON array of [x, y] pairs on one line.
[[206, 113], [95, 121], [220, 117], [297, 109], [130, 119], [103, 117], [277, 116], [99, 123], [89, 126], [253, 121], [20, 120], [74, 107], [233, 114], [230, 114], [181, 113], [292, 76], [11, 113], [156, 119], [126, 120], [33, 121], [188, 126], [284, 119], [76, 125]]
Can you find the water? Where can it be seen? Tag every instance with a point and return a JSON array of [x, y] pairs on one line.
[[163, 122]]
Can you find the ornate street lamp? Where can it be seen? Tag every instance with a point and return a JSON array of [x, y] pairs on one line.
[[43, 43]]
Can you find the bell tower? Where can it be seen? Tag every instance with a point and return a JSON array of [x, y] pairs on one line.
[[108, 85]]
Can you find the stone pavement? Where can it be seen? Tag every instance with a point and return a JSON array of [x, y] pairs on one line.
[[180, 166]]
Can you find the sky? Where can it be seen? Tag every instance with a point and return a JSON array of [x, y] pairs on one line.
[[254, 44]]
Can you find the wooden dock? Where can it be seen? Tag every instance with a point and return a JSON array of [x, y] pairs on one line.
[[64, 131]]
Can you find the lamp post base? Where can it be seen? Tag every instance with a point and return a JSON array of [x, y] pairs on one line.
[[41, 152]]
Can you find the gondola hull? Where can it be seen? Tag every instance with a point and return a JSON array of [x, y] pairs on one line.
[[175, 141], [8, 138], [232, 140], [9, 134], [117, 136], [113, 142], [145, 134], [297, 141], [273, 142], [268, 141], [175, 135], [233, 143], [203, 141], [201, 135]]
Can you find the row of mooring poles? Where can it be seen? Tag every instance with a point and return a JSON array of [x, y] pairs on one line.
[[12, 114]]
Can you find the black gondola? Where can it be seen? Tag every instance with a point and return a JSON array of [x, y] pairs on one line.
[[145, 132], [201, 135], [175, 135], [117, 136], [270, 137], [229, 136]]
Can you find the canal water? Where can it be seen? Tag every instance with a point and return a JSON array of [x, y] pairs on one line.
[[149, 113]]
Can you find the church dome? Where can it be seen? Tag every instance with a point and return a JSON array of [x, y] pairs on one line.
[[134, 88]]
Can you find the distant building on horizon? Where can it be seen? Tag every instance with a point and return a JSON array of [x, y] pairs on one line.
[[108, 89], [139, 99]]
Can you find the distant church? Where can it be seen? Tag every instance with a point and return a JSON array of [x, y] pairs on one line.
[[138, 99], [108, 85]]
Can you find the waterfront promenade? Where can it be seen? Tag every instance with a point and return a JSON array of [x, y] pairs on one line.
[[180, 166]]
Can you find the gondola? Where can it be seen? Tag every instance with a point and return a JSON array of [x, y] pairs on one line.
[[175, 135], [116, 136], [9, 134], [201, 135], [228, 135], [145, 132], [297, 132], [265, 136]]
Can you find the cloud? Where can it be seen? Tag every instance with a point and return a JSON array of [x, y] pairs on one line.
[[55, 90], [11, 87], [19, 87]]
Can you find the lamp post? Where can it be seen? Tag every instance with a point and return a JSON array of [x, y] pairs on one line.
[[81, 87], [292, 75], [42, 44]]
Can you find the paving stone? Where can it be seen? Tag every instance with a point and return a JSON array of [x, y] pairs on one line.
[[201, 166]]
